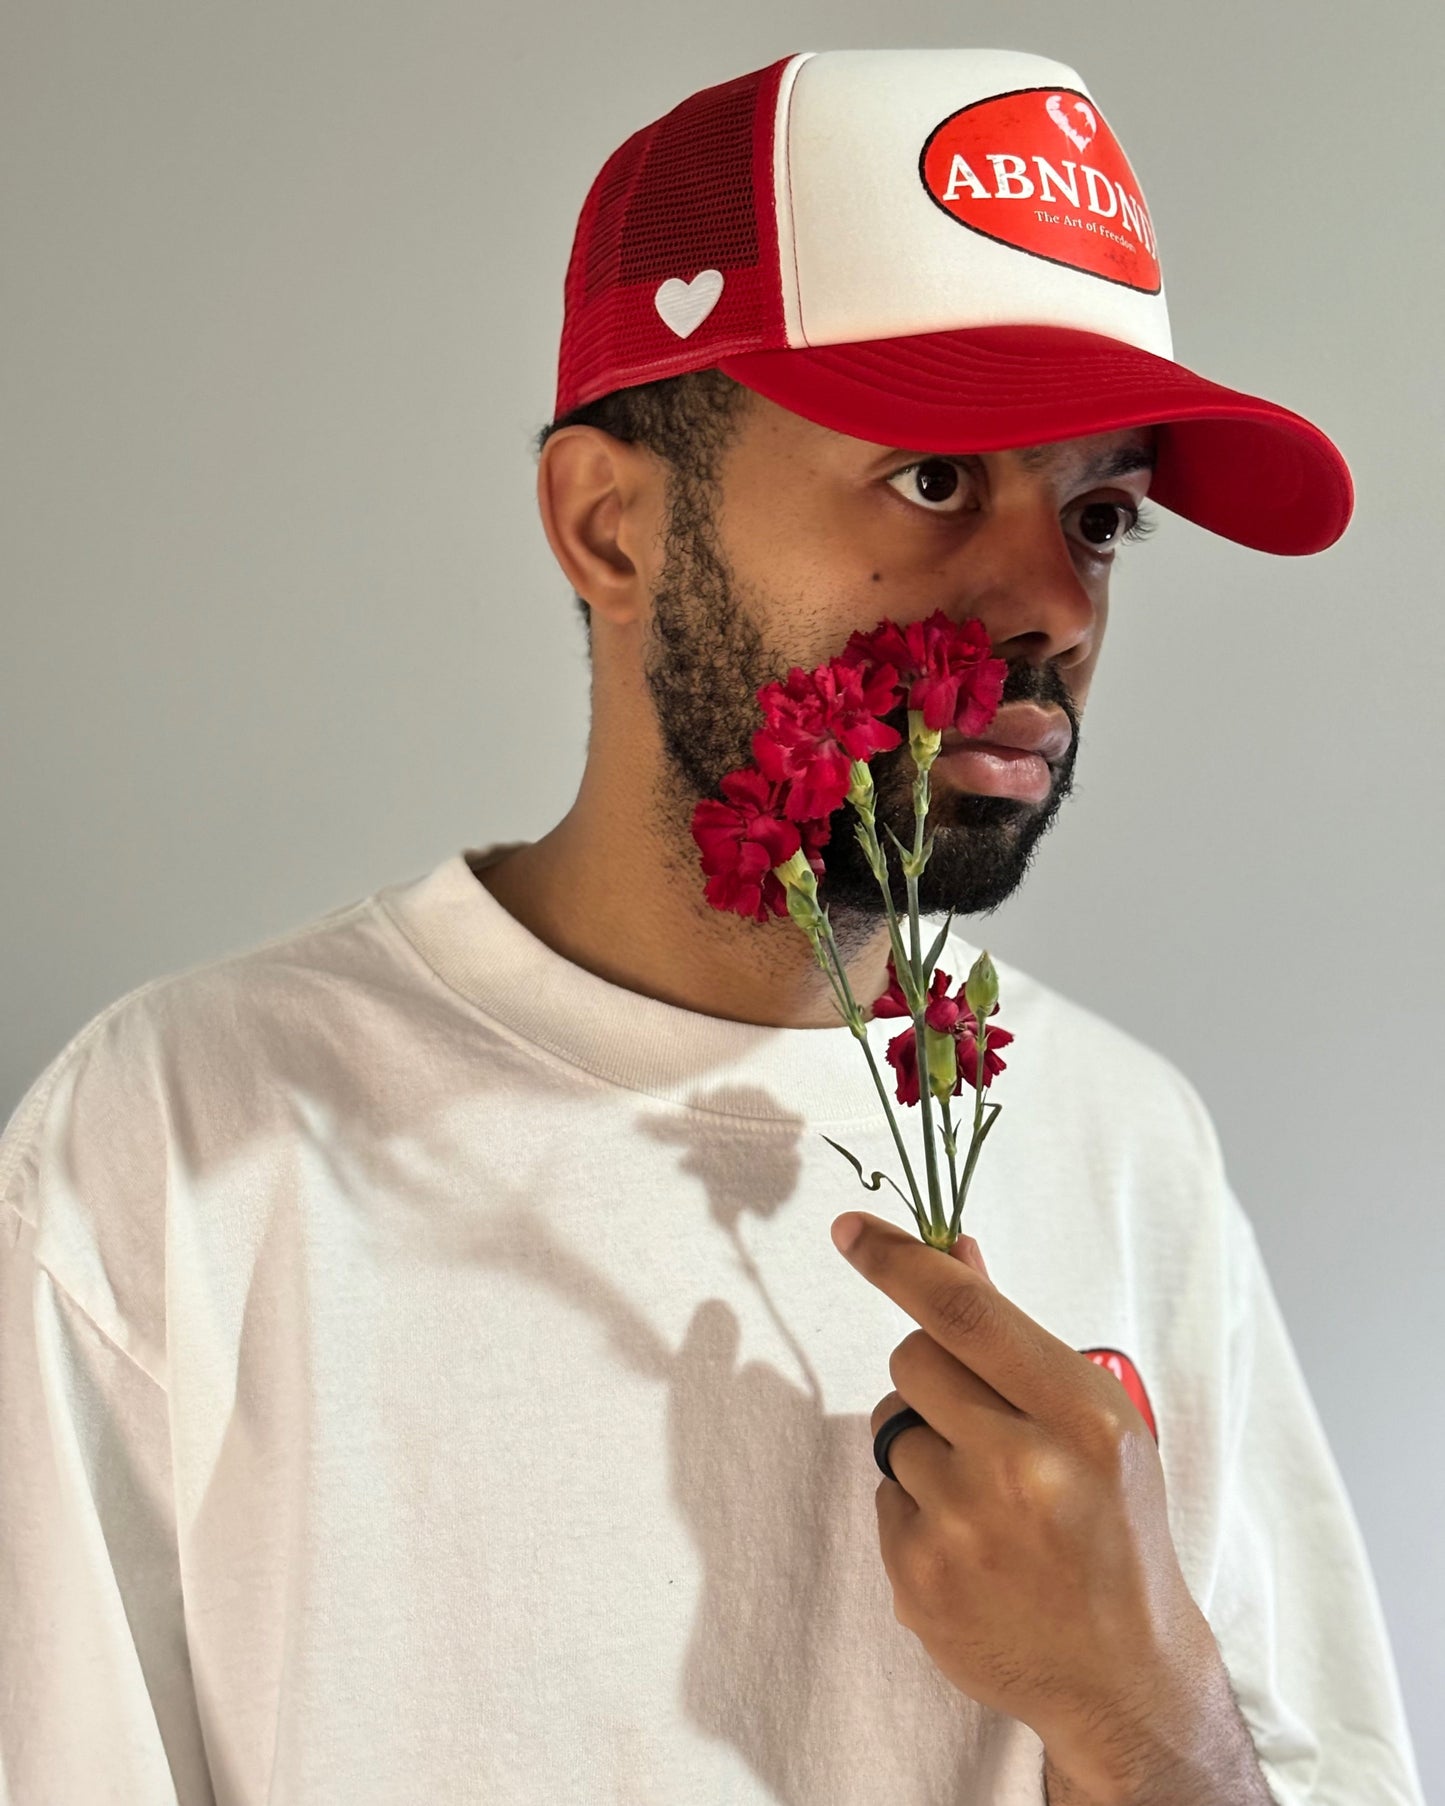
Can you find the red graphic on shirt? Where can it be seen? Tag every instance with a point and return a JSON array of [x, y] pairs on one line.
[[1039, 170], [1124, 1370]]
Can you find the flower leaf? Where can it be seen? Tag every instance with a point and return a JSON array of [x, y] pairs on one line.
[[937, 948], [868, 1184], [983, 1132]]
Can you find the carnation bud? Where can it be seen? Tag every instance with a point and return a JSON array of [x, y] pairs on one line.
[[923, 742], [860, 787], [803, 908], [796, 872], [941, 1053], [800, 882], [980, 989]]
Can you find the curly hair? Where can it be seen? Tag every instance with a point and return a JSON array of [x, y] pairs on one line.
[[688, 421]]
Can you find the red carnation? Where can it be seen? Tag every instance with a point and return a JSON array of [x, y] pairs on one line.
[[944, 666], [775, 815], [946, 1015], [903, 1058], [816, 723], [743, 838]]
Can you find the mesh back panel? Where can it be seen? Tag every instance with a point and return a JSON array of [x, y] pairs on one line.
[[692, 191], [685, 197]]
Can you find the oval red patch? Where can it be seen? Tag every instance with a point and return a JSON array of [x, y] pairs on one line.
[[1127, 1374], [1039, 170]]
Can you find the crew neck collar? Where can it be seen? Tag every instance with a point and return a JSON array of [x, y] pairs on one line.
[[625, 1038]]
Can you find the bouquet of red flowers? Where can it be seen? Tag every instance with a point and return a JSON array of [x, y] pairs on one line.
[[762, 857]]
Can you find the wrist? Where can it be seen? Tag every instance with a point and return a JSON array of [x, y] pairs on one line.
[[1214, 1764], [1175, 1740]]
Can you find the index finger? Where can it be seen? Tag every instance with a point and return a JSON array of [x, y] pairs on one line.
[[967, 1315]]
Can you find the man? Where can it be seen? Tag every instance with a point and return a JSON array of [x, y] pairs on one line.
[[422, 1368]]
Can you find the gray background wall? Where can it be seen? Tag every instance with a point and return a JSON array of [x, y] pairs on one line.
[[281, 296]]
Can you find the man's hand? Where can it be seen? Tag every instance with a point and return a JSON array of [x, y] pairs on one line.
[[1026, 1538]]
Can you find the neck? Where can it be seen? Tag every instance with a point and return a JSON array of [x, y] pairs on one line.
[[618, 890]]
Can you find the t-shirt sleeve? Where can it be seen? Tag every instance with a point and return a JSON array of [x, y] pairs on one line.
[[1296, 1612], [96, 1695]]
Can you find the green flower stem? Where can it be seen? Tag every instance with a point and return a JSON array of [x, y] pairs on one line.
[[949, 1142], [897, 1135], [842, 994], [979, 1072], [934, 1229], [852, 1014], [880, 858], [938, 1227]]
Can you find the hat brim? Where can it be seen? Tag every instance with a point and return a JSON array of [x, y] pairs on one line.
[[1233, 463]]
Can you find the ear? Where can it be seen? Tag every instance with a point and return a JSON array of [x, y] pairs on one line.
[[600, 502]]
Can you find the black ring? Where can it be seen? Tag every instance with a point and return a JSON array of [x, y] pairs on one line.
[[894, 1426]]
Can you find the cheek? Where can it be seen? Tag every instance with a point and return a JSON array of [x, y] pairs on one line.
[[1082, 675], [809, 573], [774, 551]]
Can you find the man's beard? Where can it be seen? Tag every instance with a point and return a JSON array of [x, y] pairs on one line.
[[705, 661]]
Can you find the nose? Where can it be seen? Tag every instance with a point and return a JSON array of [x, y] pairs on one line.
[[1021, 580]]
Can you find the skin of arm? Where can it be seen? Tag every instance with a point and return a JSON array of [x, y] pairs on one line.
[[1222, 1768]]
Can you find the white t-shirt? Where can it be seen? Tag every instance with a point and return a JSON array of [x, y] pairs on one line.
[[426, 1376]]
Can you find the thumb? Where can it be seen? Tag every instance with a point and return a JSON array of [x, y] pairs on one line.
[[968, 1251]]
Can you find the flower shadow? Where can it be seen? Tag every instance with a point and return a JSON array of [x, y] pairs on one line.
[[794, 1659]]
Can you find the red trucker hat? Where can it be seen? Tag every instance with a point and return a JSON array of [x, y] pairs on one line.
[[940, 250]]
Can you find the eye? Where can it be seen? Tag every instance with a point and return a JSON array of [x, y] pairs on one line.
[[1103, 525], [935, 480]]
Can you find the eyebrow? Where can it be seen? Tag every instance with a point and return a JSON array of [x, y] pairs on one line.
[[1122, 461]]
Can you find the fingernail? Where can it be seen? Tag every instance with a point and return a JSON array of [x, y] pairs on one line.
[[846, 1230]]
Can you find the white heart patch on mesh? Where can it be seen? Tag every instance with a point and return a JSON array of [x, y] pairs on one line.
[[685, 305]]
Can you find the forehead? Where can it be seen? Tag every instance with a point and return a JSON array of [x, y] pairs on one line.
[[1101, 456]]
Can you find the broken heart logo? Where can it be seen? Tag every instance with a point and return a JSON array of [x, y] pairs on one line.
[[1054, 107], [1039, 170]]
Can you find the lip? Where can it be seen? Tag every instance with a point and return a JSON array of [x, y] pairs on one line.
[[995, 771], [1023, 727]]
